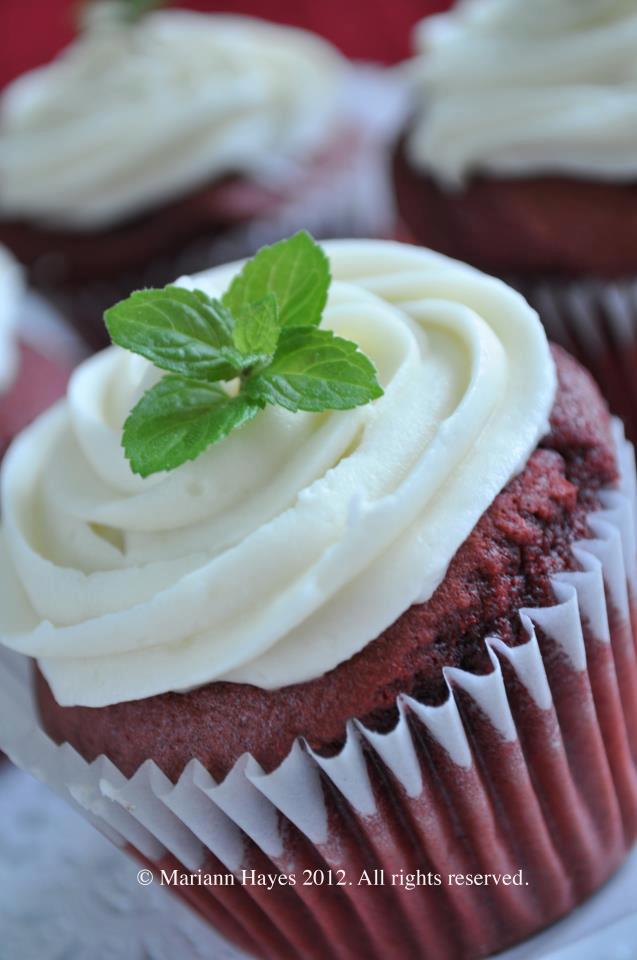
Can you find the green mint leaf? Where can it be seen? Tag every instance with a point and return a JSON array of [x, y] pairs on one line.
[[315, 370], [257, 327], [182, 331], [132, 10], [296, 271], [177, 419]]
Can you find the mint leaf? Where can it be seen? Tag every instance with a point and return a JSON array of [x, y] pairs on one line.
[[134, 9], [257, 327], [296, 271], [177, 419], [315, 370], [182, 331]]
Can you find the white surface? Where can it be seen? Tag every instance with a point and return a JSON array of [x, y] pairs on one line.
[[604, 928], [67, 894]]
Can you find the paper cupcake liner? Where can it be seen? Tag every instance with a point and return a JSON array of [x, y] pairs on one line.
[[531, 767], [596, 321]]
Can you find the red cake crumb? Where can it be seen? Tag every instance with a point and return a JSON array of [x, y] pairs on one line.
[[506, 563]]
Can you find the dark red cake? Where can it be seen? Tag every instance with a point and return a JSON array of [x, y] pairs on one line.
[[523, 538]]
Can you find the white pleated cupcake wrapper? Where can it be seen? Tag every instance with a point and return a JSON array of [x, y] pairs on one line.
[[596, 321], [539, 776]]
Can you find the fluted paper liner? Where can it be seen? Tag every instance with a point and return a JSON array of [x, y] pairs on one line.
[[531, 767], [596, 321]]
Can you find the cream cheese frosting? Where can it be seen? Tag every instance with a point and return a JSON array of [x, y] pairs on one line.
[[517, 88], [286, 548], [11, 286], [131, 116]]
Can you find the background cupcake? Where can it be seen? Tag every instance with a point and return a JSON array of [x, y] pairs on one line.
[[520, 159], [125, 159], [444, 520], [30, 379]]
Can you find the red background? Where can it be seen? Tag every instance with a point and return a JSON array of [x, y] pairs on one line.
[[32, 31]]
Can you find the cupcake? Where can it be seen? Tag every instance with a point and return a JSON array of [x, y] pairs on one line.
[[151, 147], [30, 380], [519, 159], [379, 652]]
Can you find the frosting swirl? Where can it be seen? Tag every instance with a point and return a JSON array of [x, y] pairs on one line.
[[519, 88], [10, 291], [130, 116], [285, 549]]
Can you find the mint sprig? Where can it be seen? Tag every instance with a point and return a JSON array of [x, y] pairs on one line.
[[264, 334], [126, 12], [133, 10]]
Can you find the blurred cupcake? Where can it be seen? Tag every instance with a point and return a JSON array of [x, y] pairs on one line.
[[520, 159], [29, 380], [126, 158], [311, 651]]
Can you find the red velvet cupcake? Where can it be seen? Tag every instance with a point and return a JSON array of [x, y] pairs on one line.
[[384, 654], [154, 148], [519, 159]]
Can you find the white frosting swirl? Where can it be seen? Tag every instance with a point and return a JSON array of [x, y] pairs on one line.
[[11, 286], [286, 548], [518, 88], [131, 116]]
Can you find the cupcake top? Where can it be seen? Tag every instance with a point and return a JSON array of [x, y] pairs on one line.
[[10, 291], [516, 88], [131, 116], [288, 546]]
